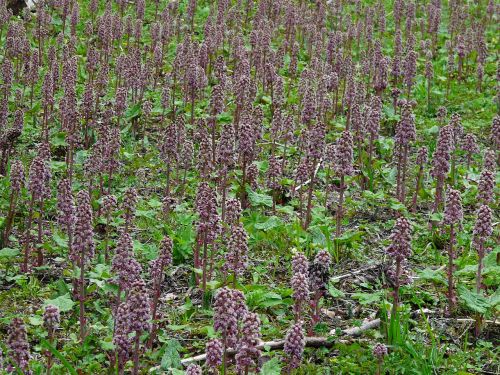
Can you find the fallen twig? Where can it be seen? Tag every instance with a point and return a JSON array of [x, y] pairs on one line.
[[343, 276]]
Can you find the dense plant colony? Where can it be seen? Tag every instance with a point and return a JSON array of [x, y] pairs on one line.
[[241, 187]]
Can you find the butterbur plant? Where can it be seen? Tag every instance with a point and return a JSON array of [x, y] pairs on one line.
[[19, 349], [16, 183], [342, 165], [109, 204], [421, 161], [139, 308], [248, 357], [194, 369], [124, 265], [441, 162], [300, 284], [82, 249], [486, 186], [157, 269], [295, 343], [38, 186], [121, 340], [66, 209], [372, 125], [482, 231], [51, 320], [129, 205], [229, 308], [319, 272], [315, 149], [405, 134], [453, 215], [379, 352], [399, 250], [237, 255], [470, 147], [215, 351], [207, 231]]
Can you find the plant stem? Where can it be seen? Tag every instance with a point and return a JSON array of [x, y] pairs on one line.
[[136, 352], [451, 288], [340, 207]]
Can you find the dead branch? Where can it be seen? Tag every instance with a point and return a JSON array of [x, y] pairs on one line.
[[361, 270]]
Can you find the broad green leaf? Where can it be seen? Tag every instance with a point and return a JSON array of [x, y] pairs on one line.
[[271, 223], [334, 292], [433, 275], [368, 298], [474, 301], [9, 253], [171, 357], [36, 320], [257, 199], [271, 367], [64, 302], [134, 111]]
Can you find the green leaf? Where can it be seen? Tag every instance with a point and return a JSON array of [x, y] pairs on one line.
[[9, 253], [271, 367], [64, 302], [154, 203], [60, 241], [36, 320], [133, 111], [334, 292], [271, 223], [368, 298], [262, 298], [474, 301], [59, 140], [171, 357], [257, 199], [433, 275]]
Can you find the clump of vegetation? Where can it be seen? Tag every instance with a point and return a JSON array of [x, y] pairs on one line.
[[245, 187]]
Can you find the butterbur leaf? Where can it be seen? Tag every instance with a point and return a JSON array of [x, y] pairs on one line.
[[368, 298], [474, 301], [269, 224], [7, 253], [133, 111], [64, 302], [171, 357], [433, 275], [334, 292], [257, 199], [271, 367], [263, 299]]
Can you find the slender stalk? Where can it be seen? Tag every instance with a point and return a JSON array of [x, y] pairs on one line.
[[340, 212], [395, 303], [308, 217], [451, 287], [49, 354], [9, 220], [417, 188], [136, 352], [27, 236], [82, 296], [479, 318]]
